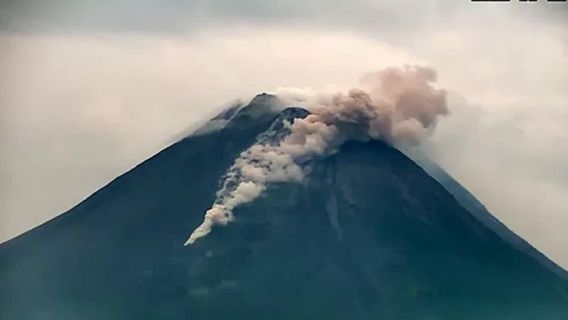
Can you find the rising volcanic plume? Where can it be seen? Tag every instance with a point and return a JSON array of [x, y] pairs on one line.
[[399, 106]]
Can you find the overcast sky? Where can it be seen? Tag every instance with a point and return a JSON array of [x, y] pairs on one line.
[[88, 89]]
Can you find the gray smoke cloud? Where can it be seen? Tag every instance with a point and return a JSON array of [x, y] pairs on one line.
[[396, 105]]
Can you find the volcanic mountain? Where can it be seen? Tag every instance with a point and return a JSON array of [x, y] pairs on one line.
[[368, 235]]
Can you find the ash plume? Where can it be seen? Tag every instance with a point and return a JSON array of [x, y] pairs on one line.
[[396, 105]]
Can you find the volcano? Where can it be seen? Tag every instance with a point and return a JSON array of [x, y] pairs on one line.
[[368, 235]]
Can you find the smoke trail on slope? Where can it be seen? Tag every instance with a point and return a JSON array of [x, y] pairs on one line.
[[394, 105]]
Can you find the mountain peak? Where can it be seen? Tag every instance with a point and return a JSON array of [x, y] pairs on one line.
[[264, 99]]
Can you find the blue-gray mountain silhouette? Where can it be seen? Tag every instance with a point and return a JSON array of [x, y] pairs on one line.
[[368, 235]]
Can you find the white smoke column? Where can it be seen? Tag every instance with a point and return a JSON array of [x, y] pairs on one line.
[[394, 105]]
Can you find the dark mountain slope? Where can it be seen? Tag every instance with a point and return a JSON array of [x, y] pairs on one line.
[[369, 235], [477, 209]]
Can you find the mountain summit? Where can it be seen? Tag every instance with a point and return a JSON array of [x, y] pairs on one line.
[[367, 235]]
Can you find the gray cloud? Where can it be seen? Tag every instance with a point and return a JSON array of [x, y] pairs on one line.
[[515, 162], [181, 17], [178, 17]]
